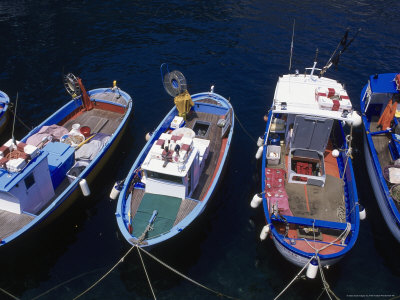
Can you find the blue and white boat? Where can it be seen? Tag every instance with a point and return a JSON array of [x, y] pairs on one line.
[[4, 105], [309, 192], [176, 173], [380, 115], [43, 173]]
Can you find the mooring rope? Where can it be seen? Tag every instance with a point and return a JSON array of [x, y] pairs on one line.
[[65, 282], [328, 290], [244, 129], [293, 280], [145, 271], [106, 274], [148, 279], [325, 282], [18, 118], [185, 277], [8, 294]]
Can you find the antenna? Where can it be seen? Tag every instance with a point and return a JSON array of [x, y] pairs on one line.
[[15, 114], [291, 46], [334, 59]]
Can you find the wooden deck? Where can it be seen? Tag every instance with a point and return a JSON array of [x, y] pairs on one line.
[[112, 97], [381, 143], [98, 120], [215, 147], [11, 222]]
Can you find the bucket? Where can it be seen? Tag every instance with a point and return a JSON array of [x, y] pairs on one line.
[[85, 130]]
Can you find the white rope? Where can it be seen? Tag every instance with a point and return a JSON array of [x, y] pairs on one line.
[[106, 274], [290, 283], [8, 294], [65, 282], [184, 276], [145, 271], [349, 150], [342, 237], [325, 282]]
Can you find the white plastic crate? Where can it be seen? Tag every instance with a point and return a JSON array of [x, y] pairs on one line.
[[273, 154]]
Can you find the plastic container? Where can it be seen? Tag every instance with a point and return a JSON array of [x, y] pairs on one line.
[[273, 154], [85, 130], [76, 169]]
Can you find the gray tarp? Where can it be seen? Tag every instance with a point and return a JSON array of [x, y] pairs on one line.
[[89, 150]]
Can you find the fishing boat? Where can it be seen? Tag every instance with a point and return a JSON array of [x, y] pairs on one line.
[[177, 171], [380, 115], [43, 173], [4, 105], [309, 192]]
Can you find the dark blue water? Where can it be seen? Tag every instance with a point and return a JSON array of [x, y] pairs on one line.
[[241, 47]]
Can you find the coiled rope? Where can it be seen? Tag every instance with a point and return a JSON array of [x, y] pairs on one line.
[[349, 151]]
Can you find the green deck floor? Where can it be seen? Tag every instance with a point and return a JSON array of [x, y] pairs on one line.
[[167, 208]]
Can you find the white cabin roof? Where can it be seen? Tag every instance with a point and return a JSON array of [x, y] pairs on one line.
[[172, 168], [298, 91], [179, 163]]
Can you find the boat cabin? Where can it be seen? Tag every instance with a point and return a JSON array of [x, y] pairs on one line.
[[175, 162], [304, 112], [29, 175]]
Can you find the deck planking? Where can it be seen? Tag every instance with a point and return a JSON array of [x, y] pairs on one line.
[[94, 117], [137, 196], [11, 222], [187, 205], [214, 136], [112, 97]]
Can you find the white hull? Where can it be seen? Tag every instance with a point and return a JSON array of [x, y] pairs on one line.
[[299, 260]]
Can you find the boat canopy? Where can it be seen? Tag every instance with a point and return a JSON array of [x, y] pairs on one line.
[[300, 94]]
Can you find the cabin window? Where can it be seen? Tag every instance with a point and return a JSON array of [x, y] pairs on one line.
[[29, 181], [166, 177]]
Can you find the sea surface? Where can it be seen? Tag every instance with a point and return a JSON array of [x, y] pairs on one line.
[[241, 47]]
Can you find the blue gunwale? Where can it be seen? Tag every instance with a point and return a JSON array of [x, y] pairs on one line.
[[348, 200], [73, 186], [384, 189], [122, 208]]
